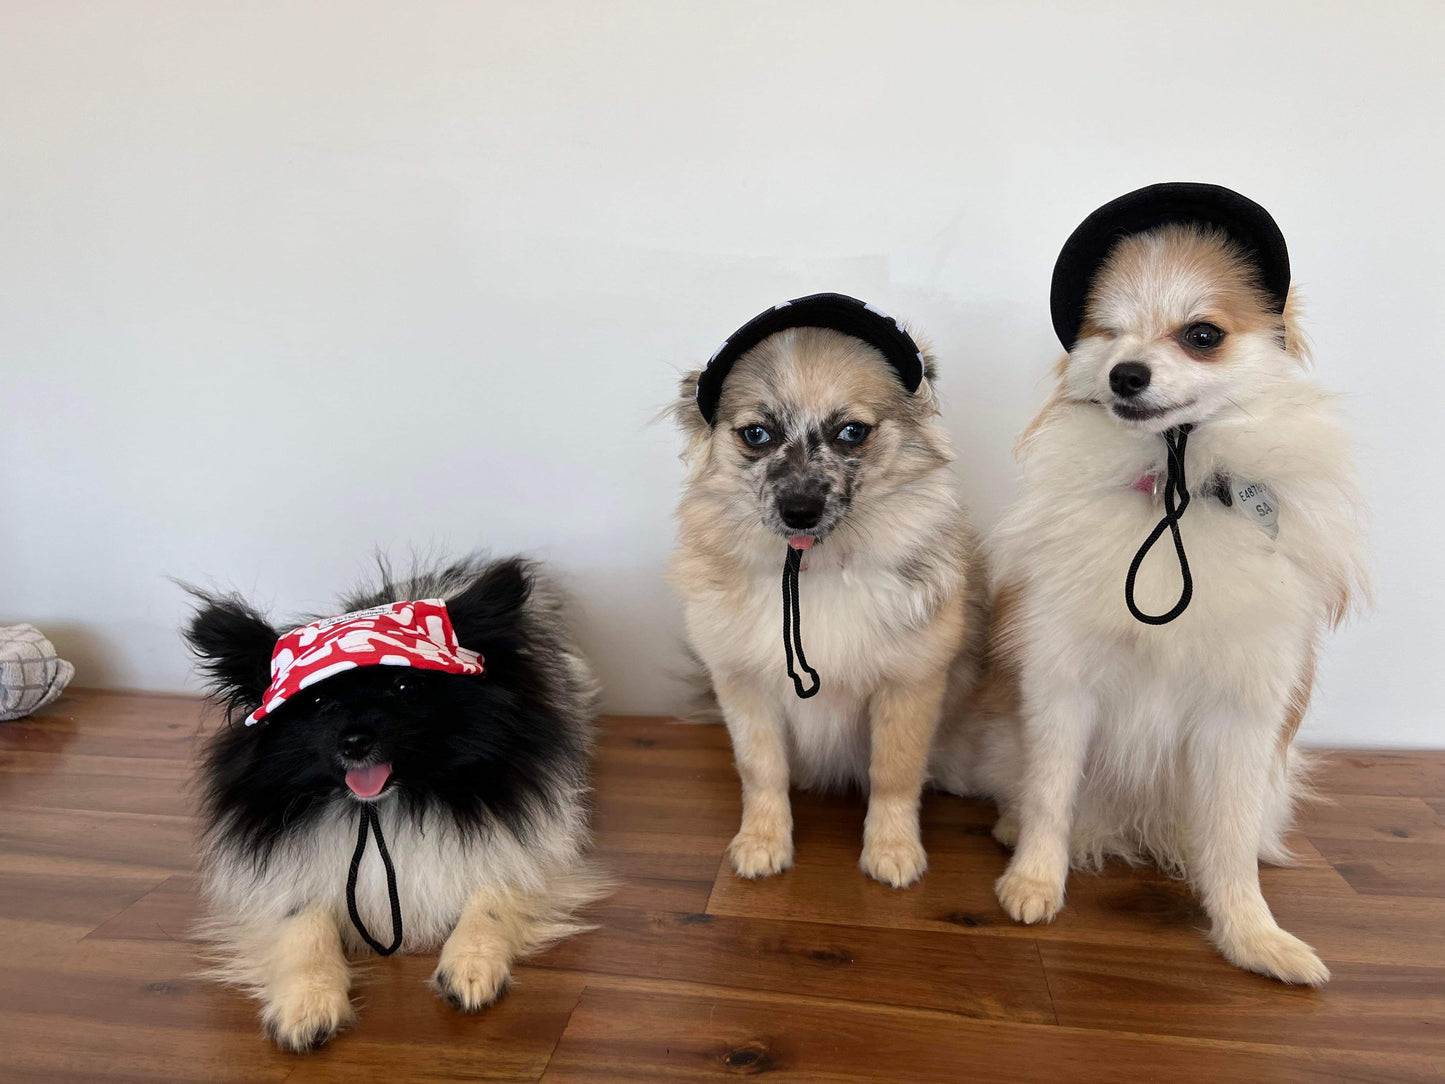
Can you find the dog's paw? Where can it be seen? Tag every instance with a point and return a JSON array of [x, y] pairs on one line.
[[757, 854], [1028, 899], [471, 978], [1272, 951], [897, 861], [305, 1012], [1006, 830]]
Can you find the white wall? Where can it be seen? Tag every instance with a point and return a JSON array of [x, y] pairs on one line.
[[235, 238]]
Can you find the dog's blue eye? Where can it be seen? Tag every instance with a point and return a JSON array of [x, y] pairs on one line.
[[853, 433], [755, 436]]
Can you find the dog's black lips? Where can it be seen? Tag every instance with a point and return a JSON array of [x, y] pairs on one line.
[[1132, 413]]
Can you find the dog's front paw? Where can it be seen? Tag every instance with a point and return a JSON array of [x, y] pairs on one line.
[[1028, 899], [897, 861], [1274, 952], [305, 1012], [471, 977], [759, 854]]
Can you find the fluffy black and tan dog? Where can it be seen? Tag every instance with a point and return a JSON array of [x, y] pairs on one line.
[[477, 782]]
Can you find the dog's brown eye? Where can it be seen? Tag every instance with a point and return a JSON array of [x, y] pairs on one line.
[[1202, 336], [853, 433], [755, 436]]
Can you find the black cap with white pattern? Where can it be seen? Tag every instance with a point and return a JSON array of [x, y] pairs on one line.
[[838, 312]]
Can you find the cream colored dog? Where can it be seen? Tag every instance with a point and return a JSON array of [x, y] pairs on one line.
[[817, 441], [1108, 736]]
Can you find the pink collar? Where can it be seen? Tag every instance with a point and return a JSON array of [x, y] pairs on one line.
[[1146, 483]]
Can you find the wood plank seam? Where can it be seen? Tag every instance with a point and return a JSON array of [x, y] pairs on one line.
[[558, 1042]]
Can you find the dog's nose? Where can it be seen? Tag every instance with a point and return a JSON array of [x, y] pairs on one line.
[[357, 744], [1129, 378], [801, 510]]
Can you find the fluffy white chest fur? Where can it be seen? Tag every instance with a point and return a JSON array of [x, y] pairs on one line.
[[862, 621], [1230, 667]]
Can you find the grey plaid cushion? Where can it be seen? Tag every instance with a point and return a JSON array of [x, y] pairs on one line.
[[31, 673]]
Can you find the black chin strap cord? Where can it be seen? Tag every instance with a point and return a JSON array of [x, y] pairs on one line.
[[1176, 500], [793, 626], [370, 821]]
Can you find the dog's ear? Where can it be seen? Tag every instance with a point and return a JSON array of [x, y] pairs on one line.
[[684, 410], [1295, 341], [490, 609], [233, 644]]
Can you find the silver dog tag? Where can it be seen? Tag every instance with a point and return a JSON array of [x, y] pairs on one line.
[[1259, 504]]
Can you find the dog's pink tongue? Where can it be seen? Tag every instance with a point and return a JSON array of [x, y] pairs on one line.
[[802, 541], [367, 782]]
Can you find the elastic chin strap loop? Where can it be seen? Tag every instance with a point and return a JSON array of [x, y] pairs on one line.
[[1176, 500], [370, 821], [793, 627]]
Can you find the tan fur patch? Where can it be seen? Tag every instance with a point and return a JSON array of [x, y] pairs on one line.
[[1299, 701], [1295, 340], [997, 694], [1339, 606]]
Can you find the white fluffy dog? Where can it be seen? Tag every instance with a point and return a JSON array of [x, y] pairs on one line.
[[1111, 736]]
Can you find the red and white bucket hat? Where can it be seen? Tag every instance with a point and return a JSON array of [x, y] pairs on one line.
[[417, 634]]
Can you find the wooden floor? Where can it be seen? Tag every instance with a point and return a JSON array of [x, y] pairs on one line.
[[818, 974]]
